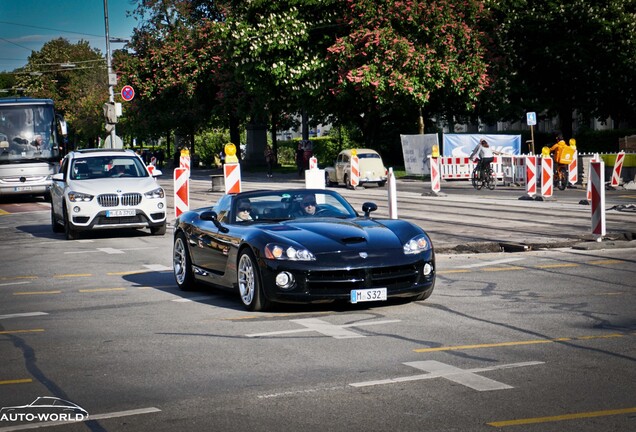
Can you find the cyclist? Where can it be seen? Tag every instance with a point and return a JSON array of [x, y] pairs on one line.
[[558, 149], [485, 155]]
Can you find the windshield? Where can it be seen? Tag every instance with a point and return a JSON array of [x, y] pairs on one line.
[[95, 167], [290, 204], [27, 133]]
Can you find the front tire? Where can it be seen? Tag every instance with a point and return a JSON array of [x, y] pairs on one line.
[[158, 230], [249, 282], [69, 232], [56, 227], [328, 181], [182, 264]]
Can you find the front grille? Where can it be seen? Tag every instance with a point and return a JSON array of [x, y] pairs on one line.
[[103, 220], [395, 277], [113, 200]]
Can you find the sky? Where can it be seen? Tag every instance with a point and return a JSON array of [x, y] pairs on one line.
[[26, 25]]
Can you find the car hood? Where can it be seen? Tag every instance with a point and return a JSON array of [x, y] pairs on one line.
[[114, 185], [337, 234]]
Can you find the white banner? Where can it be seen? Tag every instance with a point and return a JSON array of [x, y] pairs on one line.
[[462, 145], [416, 149]]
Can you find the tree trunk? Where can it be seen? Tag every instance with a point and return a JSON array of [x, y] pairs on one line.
[[235, 134]]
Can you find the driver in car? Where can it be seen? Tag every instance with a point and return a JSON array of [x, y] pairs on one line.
[[308, 206]]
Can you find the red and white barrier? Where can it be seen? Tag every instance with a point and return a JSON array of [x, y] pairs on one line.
[[531, 175], [618, 167], [355, 171], [597, 180], [595, 158], [573, 169], [435, 174], [313, 163], [547, 175], [181, 191], [232, 176], [184, 160]]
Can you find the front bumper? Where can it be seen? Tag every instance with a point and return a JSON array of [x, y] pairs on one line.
[[314, 283], [89, 215]]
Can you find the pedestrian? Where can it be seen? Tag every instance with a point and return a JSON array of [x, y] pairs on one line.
[[269, 159], [222, 157], [300, 159]]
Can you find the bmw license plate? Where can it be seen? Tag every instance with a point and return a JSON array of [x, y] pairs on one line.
[[22, 188], [120, 213], [366, 295]]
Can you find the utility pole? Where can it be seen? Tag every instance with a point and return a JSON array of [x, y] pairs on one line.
[[112, 81]]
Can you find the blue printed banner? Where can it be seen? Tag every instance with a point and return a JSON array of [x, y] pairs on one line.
[[462, 145]]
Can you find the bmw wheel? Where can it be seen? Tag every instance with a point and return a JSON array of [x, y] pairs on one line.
[[249, 282], [57, 228], [69, 232], [158, 230], [182, 264]]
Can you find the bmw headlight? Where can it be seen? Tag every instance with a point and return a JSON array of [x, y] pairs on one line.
[[156, 193], [79, 197], [282, 252], [416, 245]]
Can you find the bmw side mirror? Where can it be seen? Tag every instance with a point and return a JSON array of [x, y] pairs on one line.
[[214, 218], [369, 207]]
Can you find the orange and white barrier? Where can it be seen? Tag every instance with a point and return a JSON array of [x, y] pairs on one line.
[[435, 174], [597, 180], [181, 191], [531, 175], [547, 175], [596, 158], [355, 171], [573, 169], [232, 176], [618, 167], [313, 163]]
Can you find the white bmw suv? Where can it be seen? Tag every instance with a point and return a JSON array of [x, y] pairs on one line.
[[106, 188]]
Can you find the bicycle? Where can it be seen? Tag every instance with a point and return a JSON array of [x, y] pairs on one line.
[[561, 176], [479, 180]]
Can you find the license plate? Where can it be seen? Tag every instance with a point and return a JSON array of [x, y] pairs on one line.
[[120, 213], [367, 295], [22, 188]]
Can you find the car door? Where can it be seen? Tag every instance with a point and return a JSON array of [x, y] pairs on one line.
[[58, 186], [209, 246], [341, 166]]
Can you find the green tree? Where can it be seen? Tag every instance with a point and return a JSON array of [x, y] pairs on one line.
[[567, 55]]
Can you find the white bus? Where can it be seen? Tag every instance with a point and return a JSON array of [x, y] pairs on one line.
[[30, 146]]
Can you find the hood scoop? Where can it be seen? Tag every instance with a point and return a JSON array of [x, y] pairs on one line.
[[353, 240]]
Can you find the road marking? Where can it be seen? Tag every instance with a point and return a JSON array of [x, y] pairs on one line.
[[111, 251], [70, 275], [21, 331], [36, 292], [496, 269], [515, 343], [562, 265], [21, 315], [607, 261], [16, 381], [191, 299], [157, 267], [15, 283], [489, 263], [149, 268], [563, 417], [465, 377], [90, 417], [90, 290], [325, 328]]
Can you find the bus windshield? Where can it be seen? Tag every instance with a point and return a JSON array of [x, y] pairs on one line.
[[27, 133]]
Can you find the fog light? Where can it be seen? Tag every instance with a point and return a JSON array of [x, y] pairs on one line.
[[160, 205], [76, 209], [428, 269], [284, 280]]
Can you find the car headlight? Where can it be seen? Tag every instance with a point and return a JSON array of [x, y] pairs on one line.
[[290, 253], [79, 197], [156, 193], [416, 245]]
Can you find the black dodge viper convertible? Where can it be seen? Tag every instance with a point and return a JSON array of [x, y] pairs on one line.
[[301, 246]]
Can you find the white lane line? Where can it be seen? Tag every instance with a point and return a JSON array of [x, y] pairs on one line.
[[157, 267], [484, 264], [90, 417], [466, 377], [191, 299], [325, 328], [111, 251], [16, 283], [21, 315]]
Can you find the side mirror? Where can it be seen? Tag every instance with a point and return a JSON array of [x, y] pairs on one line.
[[58, 177], [214, 218], [369, 207]]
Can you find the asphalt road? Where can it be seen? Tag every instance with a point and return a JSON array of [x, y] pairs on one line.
[[537, 341]]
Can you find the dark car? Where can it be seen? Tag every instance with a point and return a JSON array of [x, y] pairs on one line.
[[301, 246]]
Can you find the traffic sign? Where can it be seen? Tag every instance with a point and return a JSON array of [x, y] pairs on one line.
[[532, 118], [127, 93]]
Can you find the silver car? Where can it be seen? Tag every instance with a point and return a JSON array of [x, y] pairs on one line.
[[105, 189]]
